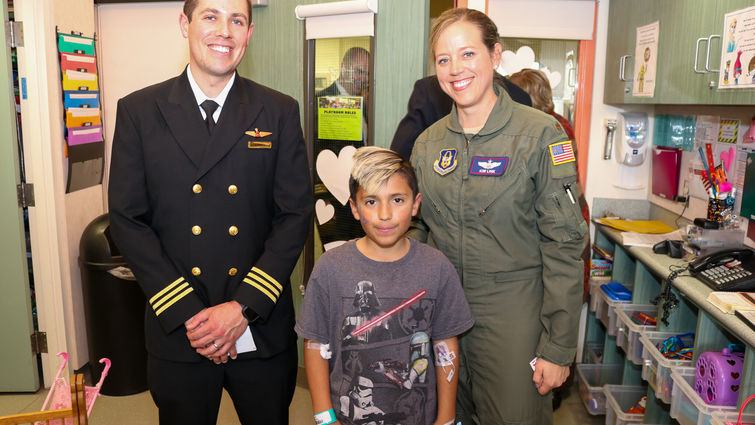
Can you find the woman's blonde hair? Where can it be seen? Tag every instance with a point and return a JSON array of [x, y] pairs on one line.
[[536, 84], [488, 30]]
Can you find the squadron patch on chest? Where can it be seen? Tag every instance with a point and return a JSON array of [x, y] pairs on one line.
[[446, 162], [488, 166]]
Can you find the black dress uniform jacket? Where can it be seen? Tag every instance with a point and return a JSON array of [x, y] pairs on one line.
[[207, 219]]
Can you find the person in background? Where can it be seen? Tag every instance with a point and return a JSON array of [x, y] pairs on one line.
[[428, 103], [361, 371], [499, 190], [210, 203], [354, 77], [536, 83]]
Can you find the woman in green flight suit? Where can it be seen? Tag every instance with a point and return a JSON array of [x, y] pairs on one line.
[[498, 181]]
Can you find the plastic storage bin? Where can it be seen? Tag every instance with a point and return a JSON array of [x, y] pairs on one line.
[[649, 373], [689, 409], [592, 378], [654, 360], [720, 418], [606, 311], [628, 332], [594, 353], [595, 283], [619, 399]]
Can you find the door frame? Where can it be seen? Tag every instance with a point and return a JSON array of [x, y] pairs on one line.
[[44, 157]]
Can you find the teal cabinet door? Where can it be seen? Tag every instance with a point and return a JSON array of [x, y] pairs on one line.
[[624, 18], [685, 26], [727, 96], [618, 53]]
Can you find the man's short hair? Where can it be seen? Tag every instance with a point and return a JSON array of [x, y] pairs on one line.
[[373, 166], [354, 53], [190, 5]]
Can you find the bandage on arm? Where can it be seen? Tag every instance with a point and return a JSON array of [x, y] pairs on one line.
[[318, 376], [446, 365]]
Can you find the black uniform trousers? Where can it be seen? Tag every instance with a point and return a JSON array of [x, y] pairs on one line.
[[190, 393]]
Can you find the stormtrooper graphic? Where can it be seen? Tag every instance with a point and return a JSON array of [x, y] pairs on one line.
[[358, 405]]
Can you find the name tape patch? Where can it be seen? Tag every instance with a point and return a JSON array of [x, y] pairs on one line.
[[488, 166]]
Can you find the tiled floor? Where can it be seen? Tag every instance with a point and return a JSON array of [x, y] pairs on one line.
[[140, 410]]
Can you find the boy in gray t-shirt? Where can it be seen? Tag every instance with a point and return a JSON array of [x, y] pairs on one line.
[[381, 311]]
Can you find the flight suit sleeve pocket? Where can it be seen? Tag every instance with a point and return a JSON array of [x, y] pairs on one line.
[[569, 223]]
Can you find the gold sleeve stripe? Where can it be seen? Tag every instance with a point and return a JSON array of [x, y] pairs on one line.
[[269, 278], [174, 300], [166, 289], [272, 288], [261, 289], [169, 295]]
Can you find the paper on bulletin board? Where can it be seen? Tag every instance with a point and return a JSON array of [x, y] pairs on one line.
[[646, 58], [339, 118], [737, 69], [706, 130], [728, 131]]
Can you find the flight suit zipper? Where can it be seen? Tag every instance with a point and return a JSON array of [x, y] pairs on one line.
[[461, 206]]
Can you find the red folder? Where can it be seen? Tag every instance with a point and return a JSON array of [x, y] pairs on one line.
[[76, 62], [666, 167]]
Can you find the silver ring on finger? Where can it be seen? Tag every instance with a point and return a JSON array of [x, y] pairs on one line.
[[216, 346]]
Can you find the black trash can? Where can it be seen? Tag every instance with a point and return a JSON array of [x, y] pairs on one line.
[[114, 307]]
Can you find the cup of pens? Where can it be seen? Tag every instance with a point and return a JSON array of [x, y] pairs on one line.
[[720, 190], [716, 208]]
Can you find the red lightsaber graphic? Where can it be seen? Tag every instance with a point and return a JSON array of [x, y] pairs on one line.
[[379, 319]]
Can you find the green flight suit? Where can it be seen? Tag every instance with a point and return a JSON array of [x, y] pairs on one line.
[[502, 207]]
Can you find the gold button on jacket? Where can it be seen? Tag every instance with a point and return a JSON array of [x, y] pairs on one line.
[[196, 188], [196, 230], [232, 271], [232, 189], [233, 230], [196, 271]]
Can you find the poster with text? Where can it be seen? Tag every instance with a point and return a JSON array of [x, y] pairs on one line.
[[339, 117], [645, 60], [738, 50]]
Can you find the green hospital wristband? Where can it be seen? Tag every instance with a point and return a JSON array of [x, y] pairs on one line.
[[325, 418]]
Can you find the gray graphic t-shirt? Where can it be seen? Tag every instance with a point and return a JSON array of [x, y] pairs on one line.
[[380, 319]]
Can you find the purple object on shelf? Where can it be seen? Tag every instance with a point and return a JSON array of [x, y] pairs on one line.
[[718, 376]]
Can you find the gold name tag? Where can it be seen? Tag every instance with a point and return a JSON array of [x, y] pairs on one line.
[[260, 145]]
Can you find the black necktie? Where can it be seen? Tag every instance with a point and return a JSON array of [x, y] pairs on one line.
[[209, 107]]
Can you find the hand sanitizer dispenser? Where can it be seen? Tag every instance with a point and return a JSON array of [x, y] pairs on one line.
[[633, 135]]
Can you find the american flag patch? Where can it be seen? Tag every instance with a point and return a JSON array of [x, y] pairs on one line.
[[561, 153]]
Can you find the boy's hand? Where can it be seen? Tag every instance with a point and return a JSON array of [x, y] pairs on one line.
[[548, 375]]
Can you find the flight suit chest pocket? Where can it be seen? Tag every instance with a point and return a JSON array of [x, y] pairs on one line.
[[489, 191]]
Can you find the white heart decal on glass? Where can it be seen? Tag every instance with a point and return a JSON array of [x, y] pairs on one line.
[[554, 77], [324, 211], [334, 171], [514, 62]]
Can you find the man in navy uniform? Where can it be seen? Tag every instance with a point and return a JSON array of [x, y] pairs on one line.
[[210, 203]]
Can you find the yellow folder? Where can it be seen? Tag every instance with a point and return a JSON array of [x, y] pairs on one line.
[[639, 226]]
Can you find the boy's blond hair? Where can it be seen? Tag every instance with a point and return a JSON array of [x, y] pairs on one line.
[[373, 166]]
